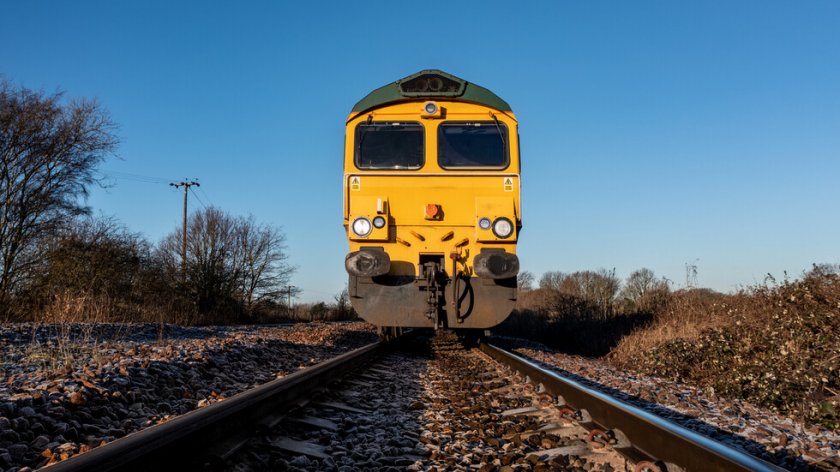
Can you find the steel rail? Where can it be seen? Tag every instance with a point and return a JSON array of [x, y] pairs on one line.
[[648, 433], [181, 440]]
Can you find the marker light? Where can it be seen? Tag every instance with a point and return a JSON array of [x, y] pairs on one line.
[[432, 211], [379, 222], [502, 227], [361, 226], [430, 108], [484, 223]]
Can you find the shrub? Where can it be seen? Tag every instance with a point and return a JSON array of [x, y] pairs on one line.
[[772, 344]]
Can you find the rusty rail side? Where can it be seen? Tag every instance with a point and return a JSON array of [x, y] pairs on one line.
[[650, 434], [181, 440]]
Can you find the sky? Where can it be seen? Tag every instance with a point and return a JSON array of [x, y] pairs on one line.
[[654, 134]]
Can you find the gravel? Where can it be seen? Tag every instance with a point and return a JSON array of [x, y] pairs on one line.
[[784, 441], [67, 389]]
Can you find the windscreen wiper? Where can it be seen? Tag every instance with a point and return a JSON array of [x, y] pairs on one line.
[[499, 129], [363, 133]]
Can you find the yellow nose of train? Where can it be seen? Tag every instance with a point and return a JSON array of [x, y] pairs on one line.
[[431, 204]]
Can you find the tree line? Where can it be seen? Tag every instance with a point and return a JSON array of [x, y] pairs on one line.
[[586, 312], [58, 263], [589, 294]]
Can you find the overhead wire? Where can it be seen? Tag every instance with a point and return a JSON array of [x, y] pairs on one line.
[[149, 179], [197, 198], [137, 177], [206, 197]]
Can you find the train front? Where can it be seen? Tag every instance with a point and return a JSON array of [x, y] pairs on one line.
[[431, 204]]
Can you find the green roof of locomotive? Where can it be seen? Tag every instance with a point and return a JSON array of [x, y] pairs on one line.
[[417, 86]]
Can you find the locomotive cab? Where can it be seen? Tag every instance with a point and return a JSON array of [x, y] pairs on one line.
[[432, 204]]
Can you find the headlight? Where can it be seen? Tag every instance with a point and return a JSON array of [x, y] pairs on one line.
[[430, 108], [484, 223], [361, 226], [379, 222], [502, 227]]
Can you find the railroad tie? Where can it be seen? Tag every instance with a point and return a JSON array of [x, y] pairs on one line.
[[300, 447], [527, 410], [314, 422], [342, 407]]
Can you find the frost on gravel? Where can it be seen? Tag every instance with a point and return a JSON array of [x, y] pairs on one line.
[[784, 441], [66, 389]]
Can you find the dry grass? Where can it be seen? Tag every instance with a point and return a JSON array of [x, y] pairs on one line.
[[67, 307], [686, 316], [72, 319]]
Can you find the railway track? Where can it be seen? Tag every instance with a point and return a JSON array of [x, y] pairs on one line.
[[206, 437], [419, 404], [657, 443]]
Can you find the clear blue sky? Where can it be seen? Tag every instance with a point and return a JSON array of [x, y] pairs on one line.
[[654, 133]]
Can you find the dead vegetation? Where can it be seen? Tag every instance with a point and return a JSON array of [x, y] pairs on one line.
[[774, 344], [585, 312]]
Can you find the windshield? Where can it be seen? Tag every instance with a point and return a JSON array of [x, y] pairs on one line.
[[389, 145], [472, 144]]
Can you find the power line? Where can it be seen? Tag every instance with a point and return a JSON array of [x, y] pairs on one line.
[[197, 198], [136, 177], [206, 197]]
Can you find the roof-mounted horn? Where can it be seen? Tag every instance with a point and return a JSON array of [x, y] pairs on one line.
[[431, 83]]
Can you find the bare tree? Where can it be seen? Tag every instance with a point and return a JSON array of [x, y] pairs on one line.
[[343, 310], [525, 281], [210, 277], [49, 150], [233, 263], [263, 260], [644, 291], [639, 283], [598, 287], [582, 294], [552, 280]]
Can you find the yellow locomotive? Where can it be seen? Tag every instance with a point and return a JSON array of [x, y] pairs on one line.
[[431, 204]]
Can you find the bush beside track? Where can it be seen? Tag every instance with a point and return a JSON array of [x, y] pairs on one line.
[[773, 344]]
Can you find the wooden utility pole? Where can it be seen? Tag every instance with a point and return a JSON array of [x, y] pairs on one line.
[[186, 185], [289, 304]]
